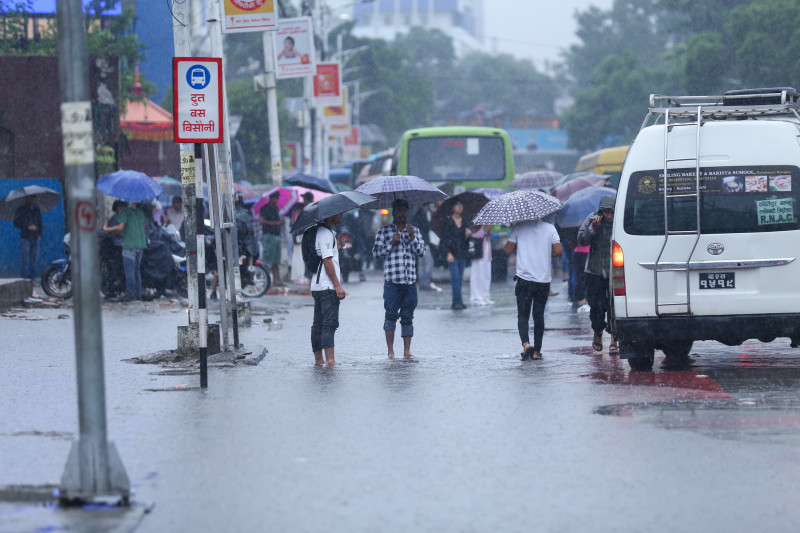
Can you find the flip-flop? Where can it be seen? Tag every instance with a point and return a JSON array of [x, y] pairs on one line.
[[597, 345], [527, 355], [536, 358], [613, 349]]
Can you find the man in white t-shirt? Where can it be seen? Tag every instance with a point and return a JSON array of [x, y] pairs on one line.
[[535, 242], [327, 292]]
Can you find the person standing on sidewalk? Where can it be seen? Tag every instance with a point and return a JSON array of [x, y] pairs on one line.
[[28, 220], [421, 219], [596, 233], [480, 279], [327, 291], [399, 244], [536, 243], [132, 222], [455, 237], [271, 223]]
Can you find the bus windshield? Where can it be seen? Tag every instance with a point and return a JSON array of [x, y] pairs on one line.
[[457, 158]]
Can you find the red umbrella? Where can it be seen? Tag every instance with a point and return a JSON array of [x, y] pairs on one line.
[[565, 190], [247, 192], [287, 198]]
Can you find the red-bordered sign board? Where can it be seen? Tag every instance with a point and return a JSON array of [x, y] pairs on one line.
[[327, 85], [197, 96]]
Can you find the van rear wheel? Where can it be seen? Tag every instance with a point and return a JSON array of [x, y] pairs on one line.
[[678, 349], [640, 355]]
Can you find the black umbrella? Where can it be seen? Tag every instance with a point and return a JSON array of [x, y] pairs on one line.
[[473, 202], [329, 206], [46, 199], [311, 182]]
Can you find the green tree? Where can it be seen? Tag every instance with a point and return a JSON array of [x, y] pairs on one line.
[[706, 65], [611, 108], [766, 34]]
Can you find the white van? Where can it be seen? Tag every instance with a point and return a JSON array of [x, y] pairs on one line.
[[711, 256]]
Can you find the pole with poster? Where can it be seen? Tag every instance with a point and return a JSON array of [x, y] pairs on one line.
[[94, 468], [197, 118]]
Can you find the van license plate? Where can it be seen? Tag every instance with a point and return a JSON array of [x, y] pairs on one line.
[[722, 280]]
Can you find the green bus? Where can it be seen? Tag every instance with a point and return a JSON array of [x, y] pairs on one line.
[[468, 157]]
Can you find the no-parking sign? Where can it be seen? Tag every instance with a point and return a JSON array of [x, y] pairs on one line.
[[197, 83]]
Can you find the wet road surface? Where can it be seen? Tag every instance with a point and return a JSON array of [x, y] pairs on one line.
[[465, 437]]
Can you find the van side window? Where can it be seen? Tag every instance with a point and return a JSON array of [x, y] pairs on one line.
[[732, 200]]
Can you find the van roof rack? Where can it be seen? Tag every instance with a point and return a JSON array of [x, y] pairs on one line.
[[742, 103]]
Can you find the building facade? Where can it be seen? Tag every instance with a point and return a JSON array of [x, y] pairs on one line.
[[462, 20]]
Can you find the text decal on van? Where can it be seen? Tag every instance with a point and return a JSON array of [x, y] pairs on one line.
[[775, 211]]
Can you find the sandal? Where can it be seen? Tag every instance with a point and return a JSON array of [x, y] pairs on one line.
[[597, 343], [613, 349]]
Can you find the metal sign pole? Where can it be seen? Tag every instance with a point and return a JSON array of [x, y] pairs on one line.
[[93, 467]]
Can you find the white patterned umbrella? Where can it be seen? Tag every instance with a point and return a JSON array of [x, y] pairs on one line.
[[387, 189], [537, 179], [527, 204]]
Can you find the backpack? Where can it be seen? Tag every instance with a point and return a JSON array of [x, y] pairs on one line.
[[311, 259]]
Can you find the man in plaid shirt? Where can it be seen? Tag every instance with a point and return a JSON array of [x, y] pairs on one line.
[[399, 244]]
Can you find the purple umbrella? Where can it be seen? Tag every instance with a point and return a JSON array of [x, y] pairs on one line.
[[565, 190], [387, 189], [526, 204], [538, 179]]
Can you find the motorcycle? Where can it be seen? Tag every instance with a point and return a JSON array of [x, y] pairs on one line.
[[350, 256], [163, 264], [256, 279], [57, 278], [161, 268]]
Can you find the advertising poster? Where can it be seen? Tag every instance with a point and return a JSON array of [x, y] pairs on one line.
[[338, 115], [327, 85], [248, 15], [715, 180], [293, 45]]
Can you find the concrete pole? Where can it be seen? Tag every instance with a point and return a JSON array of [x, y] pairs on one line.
[[192, 187], [307, 92], [225, 173], [93, 467], [272, 111]]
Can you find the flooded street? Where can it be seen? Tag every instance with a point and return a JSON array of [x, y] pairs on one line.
[[464, 437]]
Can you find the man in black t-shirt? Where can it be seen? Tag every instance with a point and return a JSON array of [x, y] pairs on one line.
[[271, 236]]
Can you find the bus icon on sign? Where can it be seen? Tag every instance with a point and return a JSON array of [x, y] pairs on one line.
[[198, 77]]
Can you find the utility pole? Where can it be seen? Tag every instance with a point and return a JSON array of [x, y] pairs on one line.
[[224, 172], [272, 110], [93, 467], [192, 191]]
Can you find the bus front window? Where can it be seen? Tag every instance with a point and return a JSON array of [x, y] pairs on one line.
[[457, 158]]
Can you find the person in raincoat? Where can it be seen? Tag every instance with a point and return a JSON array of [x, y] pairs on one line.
[[596, 233]]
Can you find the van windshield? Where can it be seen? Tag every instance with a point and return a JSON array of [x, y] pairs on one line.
[[732, 200]]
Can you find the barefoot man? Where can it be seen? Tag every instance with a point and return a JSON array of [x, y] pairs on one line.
[[399, 244]]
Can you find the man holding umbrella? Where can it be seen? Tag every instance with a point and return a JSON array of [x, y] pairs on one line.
[[399, 244], [28, 219], [131, 222], [325, 285]]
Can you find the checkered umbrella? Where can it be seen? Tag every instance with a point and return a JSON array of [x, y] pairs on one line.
[[527, 204], [387, 189], [538, 179], [490, 192]]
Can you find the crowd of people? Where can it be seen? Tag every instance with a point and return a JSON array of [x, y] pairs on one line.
[[403, 251]]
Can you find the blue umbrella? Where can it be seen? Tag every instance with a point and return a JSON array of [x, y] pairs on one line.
[[172, 187], [129, 185], [311, 182], [578, 206]]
